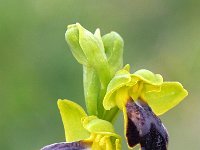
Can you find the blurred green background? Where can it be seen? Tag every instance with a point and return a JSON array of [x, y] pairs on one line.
[[37, 67]]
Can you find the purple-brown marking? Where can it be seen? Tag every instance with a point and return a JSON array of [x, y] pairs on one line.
[[144, 127], [68, 146]]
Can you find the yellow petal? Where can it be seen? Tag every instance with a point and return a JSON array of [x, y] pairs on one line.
[[171, 94], [121, 79], [149, 77]]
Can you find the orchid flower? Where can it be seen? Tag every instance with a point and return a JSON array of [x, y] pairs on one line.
[[142, 96], [84, 132]]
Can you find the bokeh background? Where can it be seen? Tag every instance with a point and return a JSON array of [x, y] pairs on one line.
[[37, 67]]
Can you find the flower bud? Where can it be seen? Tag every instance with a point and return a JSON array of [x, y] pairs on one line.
[[88, 49], [114, 44], [72, 38]]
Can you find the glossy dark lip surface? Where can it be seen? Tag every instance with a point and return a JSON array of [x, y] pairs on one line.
[[144, 127], [68, 146]]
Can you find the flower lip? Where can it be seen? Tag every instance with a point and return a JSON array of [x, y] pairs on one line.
[[144, 127], [80, 145]]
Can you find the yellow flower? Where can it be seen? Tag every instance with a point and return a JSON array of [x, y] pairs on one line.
[[84, 132], [144, 85], [142, 96]]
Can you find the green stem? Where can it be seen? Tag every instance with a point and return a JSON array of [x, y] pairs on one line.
[[111, 114], [100, 108], [91, 89]]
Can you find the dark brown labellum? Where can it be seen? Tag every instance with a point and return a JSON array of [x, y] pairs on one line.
[[68, 146], [144, 127]]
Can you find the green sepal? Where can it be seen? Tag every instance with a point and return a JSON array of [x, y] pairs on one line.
[[170, 95], [71, 114]]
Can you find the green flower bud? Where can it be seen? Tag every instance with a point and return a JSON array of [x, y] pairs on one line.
[[88, 49], [72, 38], [114, 44]]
